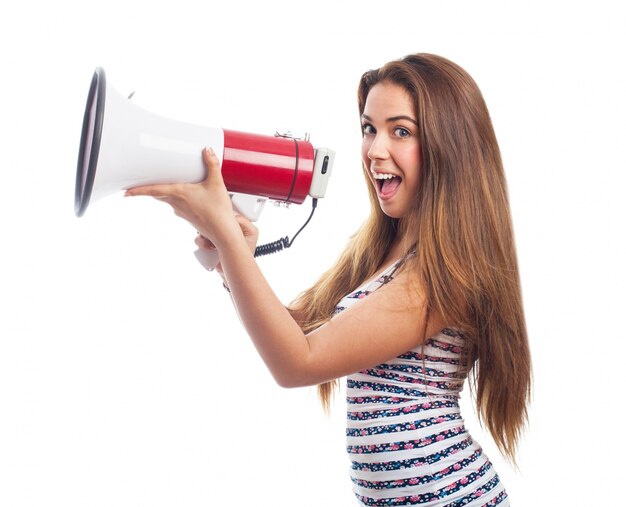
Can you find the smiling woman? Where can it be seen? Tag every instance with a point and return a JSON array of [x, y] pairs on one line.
[[391, 149], [439, 204], [426, 293]]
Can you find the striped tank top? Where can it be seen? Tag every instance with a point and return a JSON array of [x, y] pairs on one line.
[[405, 435]]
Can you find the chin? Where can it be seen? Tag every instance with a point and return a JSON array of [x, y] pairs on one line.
[[391, 212]]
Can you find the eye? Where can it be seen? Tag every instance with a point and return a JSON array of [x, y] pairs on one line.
[[401, 132], [368, 129]]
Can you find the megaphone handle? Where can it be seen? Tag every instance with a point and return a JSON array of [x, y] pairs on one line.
[[208, 258]]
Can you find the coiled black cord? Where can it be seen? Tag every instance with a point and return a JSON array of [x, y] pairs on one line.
[[277, 246]]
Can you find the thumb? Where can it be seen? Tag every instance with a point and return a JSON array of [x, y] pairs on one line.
[[246, 225], [212, 163]]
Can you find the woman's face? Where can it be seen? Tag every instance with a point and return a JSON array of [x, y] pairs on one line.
[[391, 149]]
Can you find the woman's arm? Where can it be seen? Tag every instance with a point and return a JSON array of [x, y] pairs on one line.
[[250, 232], [387, 323]]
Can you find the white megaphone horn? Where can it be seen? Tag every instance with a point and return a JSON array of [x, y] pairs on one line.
[[124, 146]]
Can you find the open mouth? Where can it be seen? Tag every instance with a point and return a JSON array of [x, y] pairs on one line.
[[387, 184]]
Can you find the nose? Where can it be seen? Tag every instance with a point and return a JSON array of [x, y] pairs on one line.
[[378, 148]]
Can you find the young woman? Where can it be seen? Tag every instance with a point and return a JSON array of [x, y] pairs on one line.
[[426, 293]]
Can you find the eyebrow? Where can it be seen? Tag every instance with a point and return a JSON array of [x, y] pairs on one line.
[[392, 119]]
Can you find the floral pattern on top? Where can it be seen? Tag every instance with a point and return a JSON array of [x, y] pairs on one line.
[[406, 438]]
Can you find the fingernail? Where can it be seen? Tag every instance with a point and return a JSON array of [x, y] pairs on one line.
[[211, 151]]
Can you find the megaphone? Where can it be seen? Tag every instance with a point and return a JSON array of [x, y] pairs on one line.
[[123, 146]]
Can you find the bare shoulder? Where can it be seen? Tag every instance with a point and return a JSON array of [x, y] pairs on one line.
[[388, 322], [400, 305]]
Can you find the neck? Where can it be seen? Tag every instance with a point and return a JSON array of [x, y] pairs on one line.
[[396, 250], [400, 244]]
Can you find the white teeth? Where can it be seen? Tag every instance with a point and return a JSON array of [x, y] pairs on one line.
[[382, 176]]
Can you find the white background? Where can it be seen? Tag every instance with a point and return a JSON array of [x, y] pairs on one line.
[[125, 378]]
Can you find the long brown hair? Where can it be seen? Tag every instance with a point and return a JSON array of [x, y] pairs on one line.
[[461, 234]]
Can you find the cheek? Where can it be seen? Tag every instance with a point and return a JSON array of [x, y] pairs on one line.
[[411, 163]]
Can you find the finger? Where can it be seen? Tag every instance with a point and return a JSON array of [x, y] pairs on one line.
[[246, 225], [242, 219], [157, 191], [204, 243], [212, 163]]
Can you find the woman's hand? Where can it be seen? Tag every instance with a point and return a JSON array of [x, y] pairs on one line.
[[248, 229], [205, 205]]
